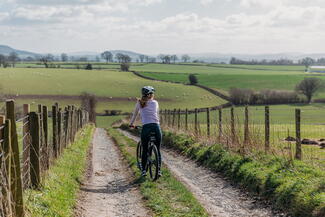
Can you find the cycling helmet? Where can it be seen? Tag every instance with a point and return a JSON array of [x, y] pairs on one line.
[[146, 90]]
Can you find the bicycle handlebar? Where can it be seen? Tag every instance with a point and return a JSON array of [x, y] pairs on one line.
[[136, 127]]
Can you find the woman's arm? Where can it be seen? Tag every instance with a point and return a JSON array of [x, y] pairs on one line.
[[135, 113]]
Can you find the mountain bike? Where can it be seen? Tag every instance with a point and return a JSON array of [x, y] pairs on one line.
[[153, 161]]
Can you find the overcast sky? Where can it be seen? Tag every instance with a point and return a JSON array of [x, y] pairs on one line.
[[164, 26]]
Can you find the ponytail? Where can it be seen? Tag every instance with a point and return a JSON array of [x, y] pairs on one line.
[[143, 101]]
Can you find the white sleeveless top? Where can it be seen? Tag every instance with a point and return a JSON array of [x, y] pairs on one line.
[[149, 114]]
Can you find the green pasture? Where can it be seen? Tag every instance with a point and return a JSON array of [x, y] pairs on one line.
[[224, 77], [313, 114], [107, 121], [106, 83]]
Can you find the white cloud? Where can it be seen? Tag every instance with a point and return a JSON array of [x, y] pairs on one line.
[[131, 24], [206, 2]]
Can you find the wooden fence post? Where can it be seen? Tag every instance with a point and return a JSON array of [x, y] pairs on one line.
[[66, 126], [220, 124], [59, 141], [165, 117], [71, 126], [186, 119], [55, 131], [26, 147], [174, 115], [267, 129], [169, 118], [45, 138], [195, 122], [208, 122], [232, 124], [16, 170], [6, 148], [42, 148], [246, 129], [35, 173], [298, 136], [179, 119]]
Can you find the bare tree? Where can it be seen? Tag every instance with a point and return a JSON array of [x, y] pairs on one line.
[[167, 59], [141, 58], [13, 58], [3, 60], [108, 56], [46, 59], [174, 58], [64, 57], [119, 57], [146, 59], [309, 86], [161, 57], [185, 58], [307, 61], [122, 58]]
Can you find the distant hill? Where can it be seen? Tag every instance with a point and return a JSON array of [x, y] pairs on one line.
[[206, 57], [6, 50]]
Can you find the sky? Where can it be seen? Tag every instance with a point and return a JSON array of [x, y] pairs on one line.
[[164, 26]]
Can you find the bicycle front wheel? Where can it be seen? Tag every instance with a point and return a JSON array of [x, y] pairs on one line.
[[153, 163]]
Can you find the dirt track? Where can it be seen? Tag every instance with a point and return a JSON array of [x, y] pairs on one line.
[[214, 192], [109, 190]]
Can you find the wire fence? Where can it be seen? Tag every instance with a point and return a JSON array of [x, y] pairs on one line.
[[29, 146], [292, 133]]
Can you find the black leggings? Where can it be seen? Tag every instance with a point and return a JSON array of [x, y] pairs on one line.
[[145, 136]]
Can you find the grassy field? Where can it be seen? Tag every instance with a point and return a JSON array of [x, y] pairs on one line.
[[224, 77], [107, 121], [106, 83]]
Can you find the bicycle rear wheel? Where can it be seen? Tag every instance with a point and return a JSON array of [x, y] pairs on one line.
[[139, 156], [153, 161]]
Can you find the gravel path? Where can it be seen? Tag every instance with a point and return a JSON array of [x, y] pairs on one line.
[[215, 193], [109, 191]]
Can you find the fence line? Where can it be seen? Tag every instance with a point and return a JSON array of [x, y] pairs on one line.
[[241, 133], [27, 149]]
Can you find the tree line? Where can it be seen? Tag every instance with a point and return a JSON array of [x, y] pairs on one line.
[[9, 60], [307, 61]]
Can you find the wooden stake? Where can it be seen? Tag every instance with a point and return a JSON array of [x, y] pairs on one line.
[[298, 136], [26, 147], [208, 121], [16, 181], [267, 129], [35, 172]]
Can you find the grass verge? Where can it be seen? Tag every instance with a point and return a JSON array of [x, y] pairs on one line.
[[57, 196], [165, 197]]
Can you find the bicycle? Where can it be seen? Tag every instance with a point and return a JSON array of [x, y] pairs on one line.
[[153, 160]]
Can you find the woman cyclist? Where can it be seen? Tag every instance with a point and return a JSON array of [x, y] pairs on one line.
[[149, 112]]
